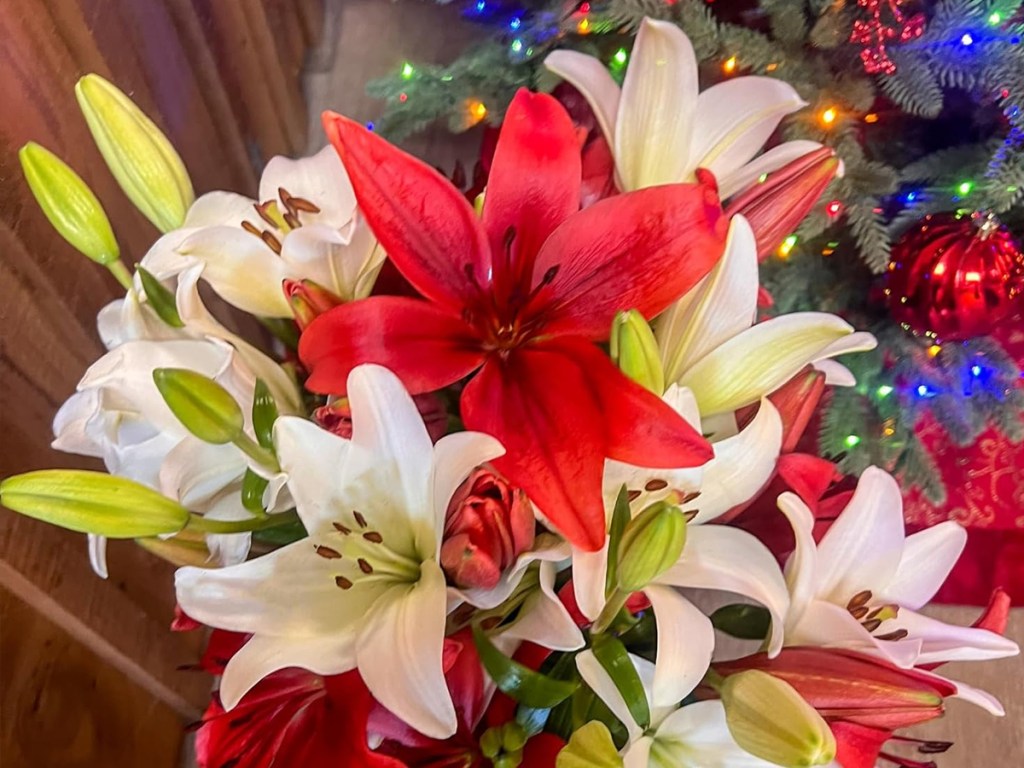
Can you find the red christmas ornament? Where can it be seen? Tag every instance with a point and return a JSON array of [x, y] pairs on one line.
[[955, 275]]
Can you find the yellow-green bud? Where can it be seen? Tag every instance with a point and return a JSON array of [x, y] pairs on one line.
[[185, 548], [589, 747], [69, 204], [770, 720], [93, 502], [635, 350], [203, 406], [651, 544], [141, 158]]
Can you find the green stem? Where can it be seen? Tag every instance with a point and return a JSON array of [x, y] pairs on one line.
[[616, 602], [257, 452], [713, 680], [120, 271], [206, 525]]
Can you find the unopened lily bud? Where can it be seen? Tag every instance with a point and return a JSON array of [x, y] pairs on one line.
[[69, 204], [141, 158], [336, 417], [488, 525], [777, 205], [651, 544], [203, 406], [769, 719], [635, 350], [308, 300]]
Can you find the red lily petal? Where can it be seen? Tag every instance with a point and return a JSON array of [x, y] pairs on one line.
[[809, 476], [858, 746], [542, 750], [423, 222], [534, 185], [598, 172], [996, 615], [426, 347], [641, 250]]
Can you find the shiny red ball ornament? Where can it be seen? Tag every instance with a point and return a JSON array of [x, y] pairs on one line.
[[955, 275]]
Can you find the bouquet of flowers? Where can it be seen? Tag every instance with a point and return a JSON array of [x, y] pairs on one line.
[[534, 497]]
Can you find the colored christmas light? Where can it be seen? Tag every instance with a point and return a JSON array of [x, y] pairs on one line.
[[884, 391], [967, 39], [729, 66], [871, 117], [851, 441], [408, 70], [995, 18], [829, 116], [620, 56], [964, 188], [834, 208], [517, 45]]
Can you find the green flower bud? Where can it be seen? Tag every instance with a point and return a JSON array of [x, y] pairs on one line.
[[513, 737], [589, 747], [69, 204], [203, 406], [651, 544], [769, 719], [635, 351], [490, 743], [141, 158], [93, 502]]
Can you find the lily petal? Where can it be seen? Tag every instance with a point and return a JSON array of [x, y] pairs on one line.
[[761, 359], [686, 641], [543, 619], [98, 555], [455, 457], [941, 642], [320, 179], [802, 564], [345, 266], [591, 78], [399, 653], [772, 160], [656, 116], [697, 736], [928, 557], [309, 455], [589, 574]]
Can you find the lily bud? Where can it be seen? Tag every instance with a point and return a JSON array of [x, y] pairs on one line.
[[651, 544], [770, 720], [777, 205], [308, 300], [69, 204], [797, 401], [337, 416], [852, 686], [488, 525], [635, 350], [141, 158], [203, 406]]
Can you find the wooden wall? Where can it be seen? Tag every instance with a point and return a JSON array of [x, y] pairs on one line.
[[89, 669]]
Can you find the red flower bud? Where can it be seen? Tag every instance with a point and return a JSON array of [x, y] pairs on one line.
[[489, 524], [337, 417], [777, 205], [308, 300]]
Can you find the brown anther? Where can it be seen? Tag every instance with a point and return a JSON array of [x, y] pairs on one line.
[[342, 529], [272, 242], [899, 634], [262, 208], [373, 536], [252, 229], [342, 582], [365, 566], [359, 518], [861, 598], [690, 514], [872, 625], [656, 485], [301, 204], [687, 498], [292, 220], [633, 495], [860, 612], [327, 553]]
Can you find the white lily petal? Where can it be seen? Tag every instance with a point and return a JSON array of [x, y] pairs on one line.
[[802, 564], [589, 573], [289, 592], [196, 472], [591, 78], [863, 548], [399, 653], [761, 359], [547, 548], [221, 208], [543, 618], [228, 548], [330, 655], [735, 118], [928, 557], [638, 753], [826, 625], [859, 341], [310, 456], [656, 111], [741, 467], [98, 554], [455, 457], [71, 425], [836, 374], [977, 697], [768, 162], [697, 736], [941, 642], [719, 307], [604, 687], [345, 266], [686, 641], [710, 561], [320, 179]]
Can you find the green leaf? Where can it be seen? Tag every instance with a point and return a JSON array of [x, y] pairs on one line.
[[203, 406], [620, 519], [590, 747], [160, 299], [253, 487], [93, 502], [264, 414], [521, 683], [612, 655], [747, 622]]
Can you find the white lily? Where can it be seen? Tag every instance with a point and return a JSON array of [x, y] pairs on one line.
[[365, 589], [710, 343], [305, 225], [860, 587], [715, 557], [661, 129], [693, 736]]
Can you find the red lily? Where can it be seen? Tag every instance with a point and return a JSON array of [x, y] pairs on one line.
[[522, 295]]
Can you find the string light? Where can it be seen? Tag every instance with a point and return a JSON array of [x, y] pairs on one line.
[[924, 391], [829, 116], [871, 117], [517, 45], [995, 18], [620, 57], [934, 349], [408, 70], [370, 126], [729, 66], [771, 67], [910, 197], [834, 208], [481, 6], [884, 391], [967, 39], [583, 27], [964, 188], [787, 246], [477, 110], [851, 441], [515, 24], [403, 97], [976, 370]]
